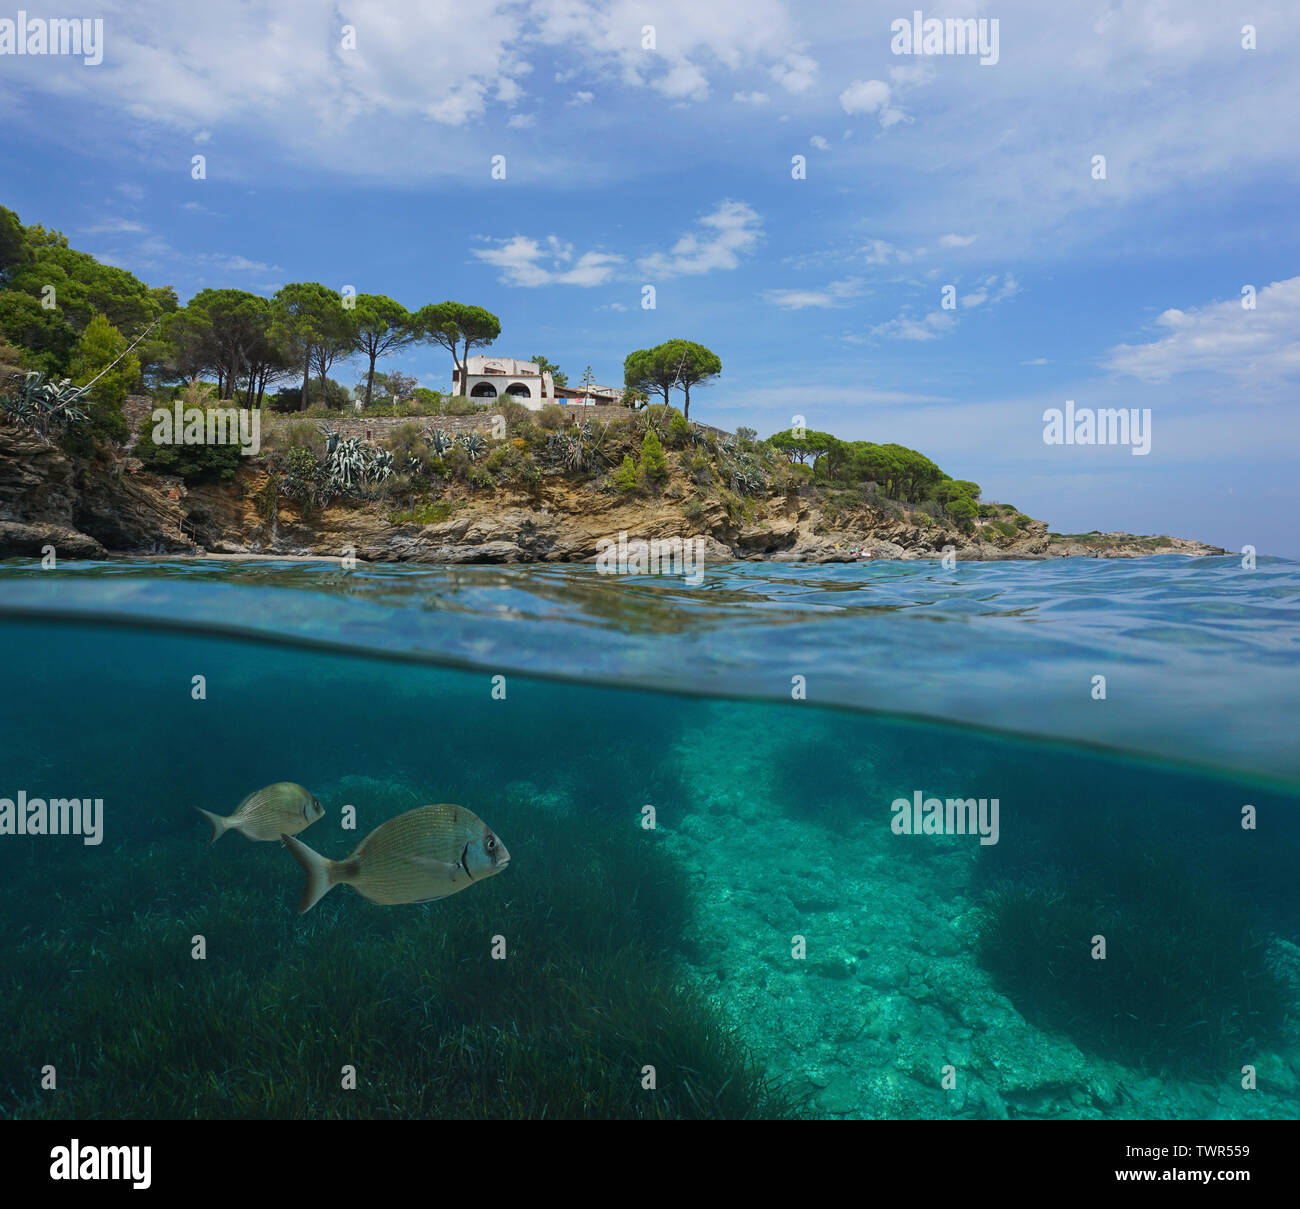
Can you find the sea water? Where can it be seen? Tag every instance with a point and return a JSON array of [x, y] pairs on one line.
[[877, 840]]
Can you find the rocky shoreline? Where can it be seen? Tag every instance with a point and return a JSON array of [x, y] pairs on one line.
[[106, 507]]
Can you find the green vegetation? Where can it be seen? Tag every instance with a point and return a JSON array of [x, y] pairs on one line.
[[675, 364], [46, 408], [454, 325], [429, 513], [50, 293], [381, 326], [898, 473], [194, 462], [654, 466], [279, 352], [590, 994], [1184, 987], [558, 376], [625, 477], [100, 357]]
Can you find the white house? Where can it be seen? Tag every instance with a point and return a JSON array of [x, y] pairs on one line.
[[491, 377]]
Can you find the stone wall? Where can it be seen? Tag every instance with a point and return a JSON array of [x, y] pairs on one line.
[[377, 428]]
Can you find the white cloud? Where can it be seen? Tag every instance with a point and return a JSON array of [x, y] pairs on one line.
[[522, 121], [988, 289], [693, 40], [1223, 338], [526, 262], [1037, 361], [751, 98], [730, 231], [865, 96], [912, 74], [832, 295], [957, 241], [796, 73], [872, 96], [931, 327], [237, 264], [582, 98], [879, 251], [683, 82], [114, 226], [820, 142]]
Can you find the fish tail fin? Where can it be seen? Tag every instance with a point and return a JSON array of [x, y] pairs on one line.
[[321, 872], [219, 825]]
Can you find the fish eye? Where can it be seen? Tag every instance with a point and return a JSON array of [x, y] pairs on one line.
[[492, 843]]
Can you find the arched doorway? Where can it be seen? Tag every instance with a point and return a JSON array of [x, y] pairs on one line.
[[519, 390], [483, 390]]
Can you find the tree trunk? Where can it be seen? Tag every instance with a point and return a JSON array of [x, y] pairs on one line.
[[686, 410], [306, 374], [370, 381]]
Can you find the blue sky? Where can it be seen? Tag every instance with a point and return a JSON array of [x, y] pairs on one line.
[[626, 166]]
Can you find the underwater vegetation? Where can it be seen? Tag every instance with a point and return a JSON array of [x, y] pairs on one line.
[[1161, 866], [1185, 986], [103, 987]]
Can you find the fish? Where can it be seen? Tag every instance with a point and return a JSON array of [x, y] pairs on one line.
[[421, 856], [268, 813]]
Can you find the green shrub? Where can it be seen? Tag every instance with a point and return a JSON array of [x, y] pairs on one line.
[[961, 509], [517, 416], [426, 513], [625, 477], [654, 465], [553, 417], [679, 431], [194, 463], [99, 347], [409, 445], [699, 467], [298, 435], [458, 405]]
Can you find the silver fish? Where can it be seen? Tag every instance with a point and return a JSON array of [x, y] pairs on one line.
[[268, 813], [420, 856]]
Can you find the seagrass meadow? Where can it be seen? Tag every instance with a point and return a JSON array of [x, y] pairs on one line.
[[711, 910]]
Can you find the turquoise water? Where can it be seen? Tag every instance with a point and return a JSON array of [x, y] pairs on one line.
[[771, 716]]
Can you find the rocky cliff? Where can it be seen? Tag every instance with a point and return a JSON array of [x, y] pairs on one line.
[[107, 505]]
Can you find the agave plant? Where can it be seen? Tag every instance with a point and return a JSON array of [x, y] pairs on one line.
[[332, 439], [745, 474], [440, 440], [348, 463], [381, 466], [473, 444], [42, 406]]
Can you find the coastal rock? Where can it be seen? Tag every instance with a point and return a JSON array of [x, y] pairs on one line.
[[18, 540], [83, 508], [111, 504]]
